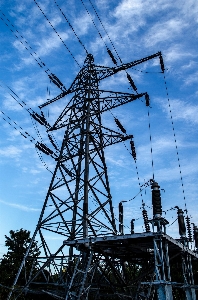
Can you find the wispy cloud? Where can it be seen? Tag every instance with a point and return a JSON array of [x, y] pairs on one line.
[[192, 78], [181, 110], [10, 151], [20, 206], [176, 53], [82, 24]]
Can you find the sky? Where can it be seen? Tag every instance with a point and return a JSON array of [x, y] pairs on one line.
[[52, 35]]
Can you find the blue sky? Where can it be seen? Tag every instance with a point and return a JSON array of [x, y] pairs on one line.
[[136, 29]]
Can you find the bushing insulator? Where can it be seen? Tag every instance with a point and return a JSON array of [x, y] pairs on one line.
[[181, 223], [146, 222], [156, 200], [189, 229], [196, 236], [121, 218], [132, 226]]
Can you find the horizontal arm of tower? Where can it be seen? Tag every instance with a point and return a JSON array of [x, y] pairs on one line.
[[108, 103], [109, 137], [63, 94], [104, 72]]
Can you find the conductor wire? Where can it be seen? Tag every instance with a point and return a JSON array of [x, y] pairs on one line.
[[56, 33], [71, 26]]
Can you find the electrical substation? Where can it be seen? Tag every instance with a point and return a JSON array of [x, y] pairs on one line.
[[96, 259]]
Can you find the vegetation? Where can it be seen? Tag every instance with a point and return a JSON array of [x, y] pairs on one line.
[[17, 244]]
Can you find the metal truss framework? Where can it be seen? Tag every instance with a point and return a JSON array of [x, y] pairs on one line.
[[93, 260]]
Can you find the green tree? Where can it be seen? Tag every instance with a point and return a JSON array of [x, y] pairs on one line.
[[17, 244]]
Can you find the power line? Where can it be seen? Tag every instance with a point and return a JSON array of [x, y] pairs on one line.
[[175, 140], [105, 31], [94, 23], [33, 53], [71, 26], [57, 33], [26, 135], [150, 137], [130, 80]]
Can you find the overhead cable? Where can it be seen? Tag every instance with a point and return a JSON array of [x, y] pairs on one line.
[[57, 33]]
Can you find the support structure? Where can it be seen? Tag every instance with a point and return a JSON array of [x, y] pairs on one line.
[[91, 259]]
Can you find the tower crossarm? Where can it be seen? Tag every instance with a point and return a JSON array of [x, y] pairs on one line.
[[109, 137], [108, 102], [111, 102], [104, 72], [61, 95]]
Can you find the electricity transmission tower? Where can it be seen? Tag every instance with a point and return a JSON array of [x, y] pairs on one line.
[[90, 261]]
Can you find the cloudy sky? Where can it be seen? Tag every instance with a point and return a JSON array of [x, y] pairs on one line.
[[38, 38]]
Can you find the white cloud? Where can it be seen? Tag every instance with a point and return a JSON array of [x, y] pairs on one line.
[[82, 24], [164, 31], [20, 206], [49, 43], [171, 174], [190, 65], [175, 53], [10, 103], [137, 10], [10, 151], [160, 145], [34, 171], [181, 110], [43, 47], [192, 78]]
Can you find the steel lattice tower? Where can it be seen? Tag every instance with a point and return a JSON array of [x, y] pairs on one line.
[[78, 204]]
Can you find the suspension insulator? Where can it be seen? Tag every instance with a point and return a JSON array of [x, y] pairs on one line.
[[56, 78], [147, 99], [120, 125], [181, 223], [56, 81], [125, 138], [132, 226], [42, 147], [133, 149], [112, 57], [52, 141], [162, 63], [121, 218], [131, 82], [132, 144], [67, 170], [156, 200], [39, 118], [146, 222], [196, 236], [189, 230]]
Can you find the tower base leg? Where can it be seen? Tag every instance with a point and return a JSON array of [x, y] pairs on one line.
[[164, 292], [190, 294]]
